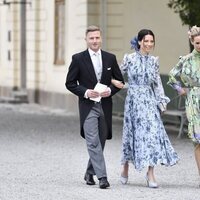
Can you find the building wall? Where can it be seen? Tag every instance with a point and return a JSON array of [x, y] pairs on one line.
[[45, 80], [123, 19], [9, 46], [171, 36], [126, 18]]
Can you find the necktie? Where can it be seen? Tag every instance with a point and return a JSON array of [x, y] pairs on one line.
[[97, 66]]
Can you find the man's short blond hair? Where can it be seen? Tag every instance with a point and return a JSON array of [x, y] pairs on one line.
[[92, 28]]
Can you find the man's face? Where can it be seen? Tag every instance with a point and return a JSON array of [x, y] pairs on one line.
[[94, 40]]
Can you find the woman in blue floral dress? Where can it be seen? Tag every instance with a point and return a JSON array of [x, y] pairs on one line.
[[188, 69], [145, 142]]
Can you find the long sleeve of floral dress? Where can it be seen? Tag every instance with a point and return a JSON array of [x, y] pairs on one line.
[[174, 74], [124, 68], [124, 64], [162, 99]]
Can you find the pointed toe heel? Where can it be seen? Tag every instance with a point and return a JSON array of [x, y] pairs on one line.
[[123, 180], [151, 184]]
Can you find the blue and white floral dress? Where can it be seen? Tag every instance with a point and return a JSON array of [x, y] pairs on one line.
[[145, 141]]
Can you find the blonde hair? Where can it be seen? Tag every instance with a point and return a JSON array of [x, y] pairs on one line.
[[92, 28], [193, 32]]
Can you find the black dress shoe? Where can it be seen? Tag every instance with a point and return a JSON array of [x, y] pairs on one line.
[[89, 179], [103, 183]]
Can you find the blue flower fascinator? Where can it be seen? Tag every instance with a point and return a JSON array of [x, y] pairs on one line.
[[134, 43]]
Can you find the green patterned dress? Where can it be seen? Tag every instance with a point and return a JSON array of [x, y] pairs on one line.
[[188, 70]]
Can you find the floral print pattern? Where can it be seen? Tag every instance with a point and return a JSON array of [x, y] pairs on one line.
[[188, 69], [145, 141]]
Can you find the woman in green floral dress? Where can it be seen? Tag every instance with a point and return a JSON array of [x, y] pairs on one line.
[[188, 70]]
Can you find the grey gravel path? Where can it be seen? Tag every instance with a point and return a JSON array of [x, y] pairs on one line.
[[42, 157]]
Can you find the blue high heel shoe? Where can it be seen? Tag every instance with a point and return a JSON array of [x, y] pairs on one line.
[[151, 184]]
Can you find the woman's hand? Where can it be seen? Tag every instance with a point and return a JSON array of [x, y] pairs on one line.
[[117, 83], [182, 91]]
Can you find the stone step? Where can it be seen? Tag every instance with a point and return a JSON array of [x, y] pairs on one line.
[[10, 100], [20, 95], [16, 97]]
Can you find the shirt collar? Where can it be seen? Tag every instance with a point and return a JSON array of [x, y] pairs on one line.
[[92, 52]]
